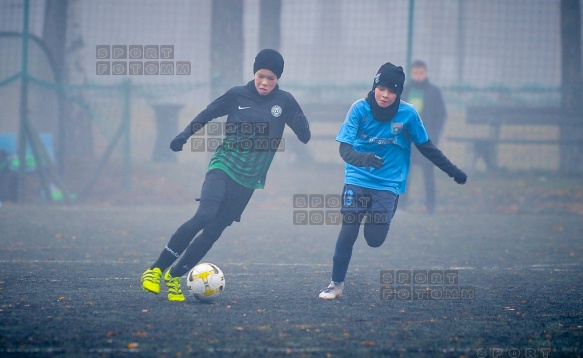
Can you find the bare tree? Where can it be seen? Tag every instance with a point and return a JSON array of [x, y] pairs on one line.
[[54, 35], [270, 24], [62, 34], [571, 153], [226, 45]]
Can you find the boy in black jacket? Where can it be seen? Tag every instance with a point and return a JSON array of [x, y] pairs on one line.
[[257, 115]]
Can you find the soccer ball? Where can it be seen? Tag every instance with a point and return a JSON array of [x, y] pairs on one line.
[[206, 282]]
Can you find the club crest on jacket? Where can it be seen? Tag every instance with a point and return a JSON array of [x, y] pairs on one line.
[[276, 111]]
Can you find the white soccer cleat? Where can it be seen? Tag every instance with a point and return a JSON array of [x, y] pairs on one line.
[[334, 290]]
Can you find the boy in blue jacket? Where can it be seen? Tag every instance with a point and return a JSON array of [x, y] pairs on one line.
[[375, 142]]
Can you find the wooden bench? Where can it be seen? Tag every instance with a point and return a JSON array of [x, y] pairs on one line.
[[330, 115], [326, 113], [486, 147]]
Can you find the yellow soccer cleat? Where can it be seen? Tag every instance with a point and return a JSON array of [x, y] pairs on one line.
[[151, 280], [174, 291]]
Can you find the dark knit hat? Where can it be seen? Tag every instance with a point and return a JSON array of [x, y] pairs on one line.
[[269, 59], [390, 76]]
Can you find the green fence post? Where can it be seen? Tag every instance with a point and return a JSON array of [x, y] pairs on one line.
[[410, 36], [460, 42], [127, 98]]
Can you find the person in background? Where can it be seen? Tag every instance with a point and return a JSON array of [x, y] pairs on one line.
[[428, 101]]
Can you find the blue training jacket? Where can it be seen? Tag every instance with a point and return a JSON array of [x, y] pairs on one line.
[[389, 140]]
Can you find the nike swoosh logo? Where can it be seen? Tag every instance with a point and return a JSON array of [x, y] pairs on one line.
[[243, 107]]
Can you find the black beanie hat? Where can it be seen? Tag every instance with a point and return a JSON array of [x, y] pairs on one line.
[[390, 76], [269, 59]]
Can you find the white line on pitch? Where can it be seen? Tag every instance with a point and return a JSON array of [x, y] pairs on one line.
[[276, 264]]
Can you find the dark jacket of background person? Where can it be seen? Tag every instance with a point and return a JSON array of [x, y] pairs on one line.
[[432, 112]]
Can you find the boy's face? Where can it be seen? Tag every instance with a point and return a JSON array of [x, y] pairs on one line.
[[265, 81], [418, 74], [384, 97]]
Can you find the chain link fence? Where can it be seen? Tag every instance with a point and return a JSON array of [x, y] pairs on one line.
[[488, 53]]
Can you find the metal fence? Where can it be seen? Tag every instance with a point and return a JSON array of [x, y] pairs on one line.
[[494, 52]]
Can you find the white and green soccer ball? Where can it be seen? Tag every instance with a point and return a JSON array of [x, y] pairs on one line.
[[205, 281]]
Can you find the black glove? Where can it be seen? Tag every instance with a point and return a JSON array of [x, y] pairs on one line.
[[435, 155], [460, 177], [359, 159], [177, 143], [373, 161]]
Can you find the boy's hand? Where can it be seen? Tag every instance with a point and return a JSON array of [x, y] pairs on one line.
[[460, 177], [177, 143], [373, 161]]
